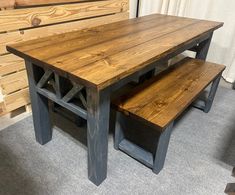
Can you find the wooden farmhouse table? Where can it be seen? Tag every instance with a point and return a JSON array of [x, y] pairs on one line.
[[98, 61]]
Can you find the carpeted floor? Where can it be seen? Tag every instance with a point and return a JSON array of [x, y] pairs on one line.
[[199, 160]]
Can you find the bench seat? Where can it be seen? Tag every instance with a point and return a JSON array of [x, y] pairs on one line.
[[161, 99], [157, 102]]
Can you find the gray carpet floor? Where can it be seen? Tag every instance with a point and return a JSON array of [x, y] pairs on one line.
[[199, 160]]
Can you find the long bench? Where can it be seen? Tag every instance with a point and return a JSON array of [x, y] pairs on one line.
[[159, 101]]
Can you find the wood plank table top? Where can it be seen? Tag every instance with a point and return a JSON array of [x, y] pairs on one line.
[[100, 56]]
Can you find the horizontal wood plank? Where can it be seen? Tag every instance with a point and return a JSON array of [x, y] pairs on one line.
[[10, 64], [99, 51], [7, 3], [17, 100], [35, 33], [31, 17], [14, 82], [86, 36], [19, 3], [162, 99], [86, 49]]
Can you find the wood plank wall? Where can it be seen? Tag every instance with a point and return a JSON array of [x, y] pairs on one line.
[[22, 20]]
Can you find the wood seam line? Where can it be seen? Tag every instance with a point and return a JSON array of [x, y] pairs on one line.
[[115, 38], [138, 22], [134, 46]]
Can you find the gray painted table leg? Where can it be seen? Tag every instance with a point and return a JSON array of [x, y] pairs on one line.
[[203, 48], [161, 150], [40, 110], [98, 110], [211, 96]]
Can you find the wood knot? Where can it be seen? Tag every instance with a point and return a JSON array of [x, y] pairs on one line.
[[36, 21], [122, 7]]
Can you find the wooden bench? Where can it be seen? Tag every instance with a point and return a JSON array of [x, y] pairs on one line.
[[159, 101]]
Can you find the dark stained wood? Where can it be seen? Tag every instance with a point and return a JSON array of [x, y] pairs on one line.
[[101, 56], [163, 98]]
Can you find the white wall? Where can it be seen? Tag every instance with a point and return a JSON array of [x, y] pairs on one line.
[[133, 6]]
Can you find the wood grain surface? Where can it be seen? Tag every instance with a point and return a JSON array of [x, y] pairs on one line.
[[37, 16], [163, 98], [17, 99], [14, 82], [20, 3], [35, 33], [103, 55], [10, 64]]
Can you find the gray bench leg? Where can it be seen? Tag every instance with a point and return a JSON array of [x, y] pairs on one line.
[[119, 134], [206, 102], [154, 161], [161, 150], [211, 95]]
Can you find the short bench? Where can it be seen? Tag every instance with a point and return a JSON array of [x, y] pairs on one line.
[[159, 101]]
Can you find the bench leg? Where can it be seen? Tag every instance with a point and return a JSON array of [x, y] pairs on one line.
[[211, 95], [119, 133], [161, 150]]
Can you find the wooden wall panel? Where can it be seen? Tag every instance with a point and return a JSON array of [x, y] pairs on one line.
[[31, 17], [54, 17], [10, 64], [20, 3], [7, 3], [18, 36], [14, 82], [17, 100]]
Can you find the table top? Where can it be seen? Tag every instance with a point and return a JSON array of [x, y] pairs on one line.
[[101, 56]]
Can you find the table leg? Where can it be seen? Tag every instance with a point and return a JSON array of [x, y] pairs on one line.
[[203, 48], [40, 110], [98, 110]]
